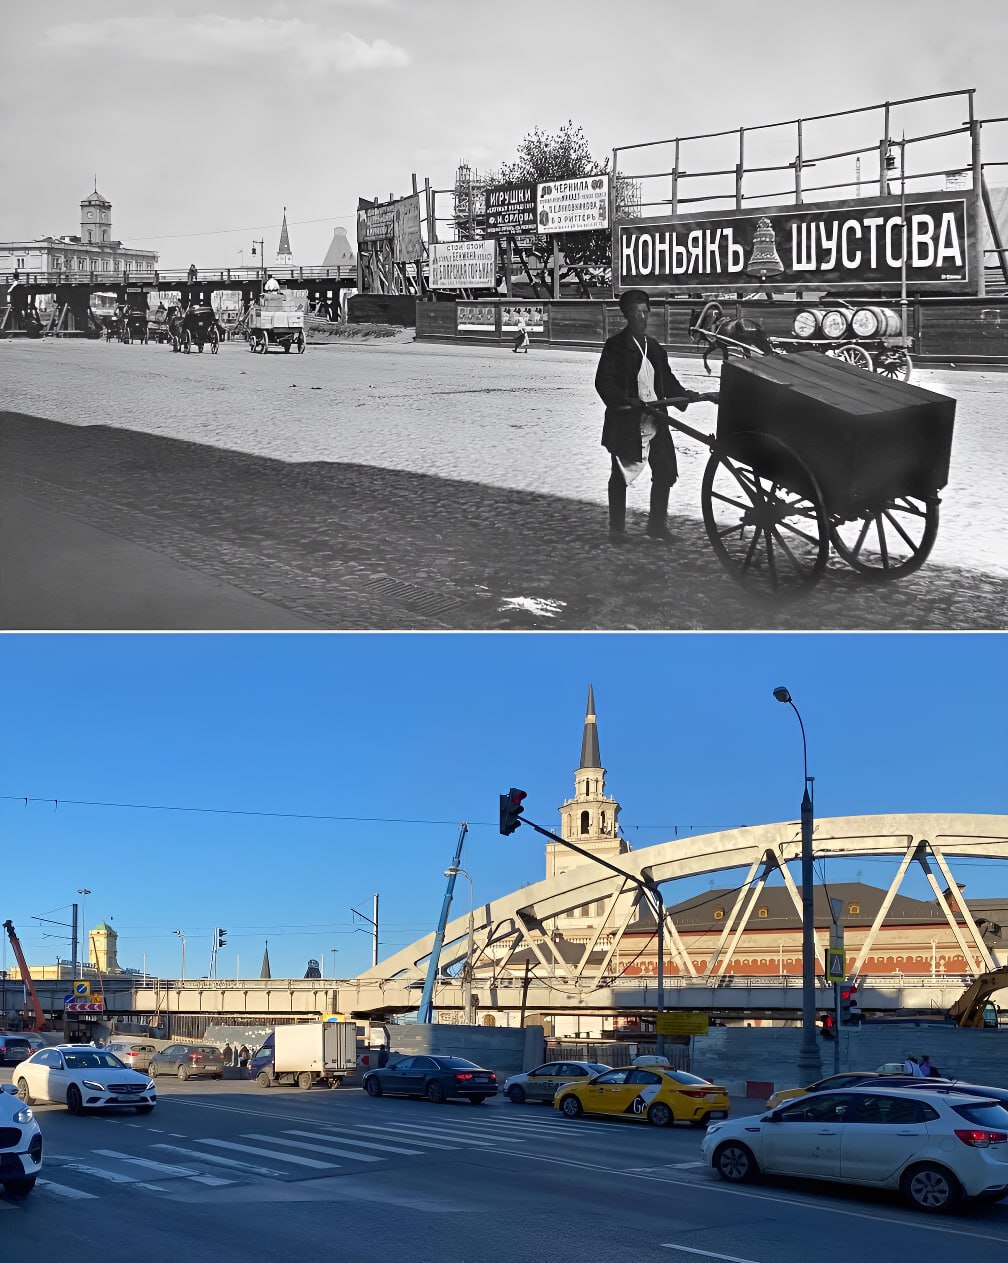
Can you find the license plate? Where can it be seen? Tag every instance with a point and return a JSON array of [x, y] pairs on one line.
[[717, 1114]]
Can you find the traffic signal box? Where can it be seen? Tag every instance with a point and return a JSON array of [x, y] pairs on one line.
[[848, 997], [510, 809]]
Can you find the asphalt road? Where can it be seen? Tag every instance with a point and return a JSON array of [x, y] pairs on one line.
[[404, 487], [227, 1172]]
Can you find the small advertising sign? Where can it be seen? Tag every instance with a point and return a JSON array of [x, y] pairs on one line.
[[535, 317], [464, 265], [475, 316], [510, 209], [573, 205], [680, 1022]]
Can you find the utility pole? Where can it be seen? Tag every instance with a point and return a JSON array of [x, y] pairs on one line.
[[373, 922]]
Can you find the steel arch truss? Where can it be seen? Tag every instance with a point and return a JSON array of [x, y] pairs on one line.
[[525, 926]]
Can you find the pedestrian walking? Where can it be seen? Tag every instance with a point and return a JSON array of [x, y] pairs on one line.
[[928, 1068], [234, 1055], [633, 373], [228, 1053], [521, 342], [243, 1056], [911, 1067]]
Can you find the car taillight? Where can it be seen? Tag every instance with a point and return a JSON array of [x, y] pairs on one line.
[[697, 1092], [463, 1075], [981, 1139], [195, 1056]]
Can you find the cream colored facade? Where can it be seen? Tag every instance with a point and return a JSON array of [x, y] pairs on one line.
[[94, 252]]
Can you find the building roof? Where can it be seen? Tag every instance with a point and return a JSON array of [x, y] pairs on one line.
[[95, 199], [284, 246], [590, 756], [340, 251]]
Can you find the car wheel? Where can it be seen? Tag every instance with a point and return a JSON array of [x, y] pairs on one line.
[[571, 1107], [336, 1081], [152, 1070], [516, 1095], [304, 1080], [144, 1109], [20, 1187], [735, 1163], [659, 1115], [23, 1093], [372, 1086], [434, 1092], [931, 1188], [264, 1079], [183, 1073], [74, 1103]]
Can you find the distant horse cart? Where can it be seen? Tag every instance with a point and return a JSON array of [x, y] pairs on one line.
[[276, 321], [134, 326], [193, 326], [868, 337]]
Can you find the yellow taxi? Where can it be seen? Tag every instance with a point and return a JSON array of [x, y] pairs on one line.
[[649, 1091], [832, 1083]]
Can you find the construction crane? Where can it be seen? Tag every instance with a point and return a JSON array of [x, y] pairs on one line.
[[968, 1010], [426, 1011], [36, 1022]]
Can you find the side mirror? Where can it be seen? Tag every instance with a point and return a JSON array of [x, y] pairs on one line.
[[769, 1118]]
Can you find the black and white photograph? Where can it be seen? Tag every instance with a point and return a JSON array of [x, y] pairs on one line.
[[504, 630]]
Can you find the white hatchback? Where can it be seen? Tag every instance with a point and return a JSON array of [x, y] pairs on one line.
[[82, 1078], [937, 1148], [20, 1144]]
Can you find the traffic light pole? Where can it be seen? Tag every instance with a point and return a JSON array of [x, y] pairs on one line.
[[836, 1027], [654, 895]]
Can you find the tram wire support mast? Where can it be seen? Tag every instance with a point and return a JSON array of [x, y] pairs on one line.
[[510, 810]]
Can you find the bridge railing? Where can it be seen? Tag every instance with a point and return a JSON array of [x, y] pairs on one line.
[[169, 276]]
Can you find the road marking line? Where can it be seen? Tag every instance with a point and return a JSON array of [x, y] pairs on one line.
[[231, 1163], [163, 1167], [413, 1139], [101, 1173], [64, 1190], [363, 1144], [304, 1144], [440, 1132], [707, 1254], [269, 1153]]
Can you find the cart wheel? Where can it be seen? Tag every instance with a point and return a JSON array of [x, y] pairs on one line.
[[264, 342], [251, 342], [301, 343], [851, 353], [768, 528], [214, 341], [888, 541], [187, 342], [895, 364]]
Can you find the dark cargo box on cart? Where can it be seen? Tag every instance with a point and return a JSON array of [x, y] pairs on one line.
[[867, 439]]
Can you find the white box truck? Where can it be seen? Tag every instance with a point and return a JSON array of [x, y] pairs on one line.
[[307, 1053]]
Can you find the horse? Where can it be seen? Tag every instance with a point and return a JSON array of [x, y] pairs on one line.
[[713, 330]]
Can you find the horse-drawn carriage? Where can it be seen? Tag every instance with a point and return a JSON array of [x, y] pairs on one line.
[[812, 452], [276, 320], [133, 326], [193, 326]]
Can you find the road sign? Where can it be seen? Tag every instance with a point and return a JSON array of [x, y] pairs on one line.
[[93, 1004], [681, 1023], [82, 988], [836, 965]]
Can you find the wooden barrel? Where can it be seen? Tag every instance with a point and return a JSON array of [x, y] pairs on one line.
[[834, 322], [893, 324], [806, 323], [875, 322]]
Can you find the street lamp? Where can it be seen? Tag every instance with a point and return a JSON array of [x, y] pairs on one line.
[[262, 251], [467, 984], [83, 892], [182, 937], [809, 1064], [334, 950]]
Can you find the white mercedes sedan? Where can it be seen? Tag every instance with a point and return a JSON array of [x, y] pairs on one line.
[[82, 1078]]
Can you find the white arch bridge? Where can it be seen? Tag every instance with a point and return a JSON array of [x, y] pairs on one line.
[[522, 960]]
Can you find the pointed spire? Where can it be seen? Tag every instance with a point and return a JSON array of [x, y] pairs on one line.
[[590, 756], [283, 249], [265, 971]]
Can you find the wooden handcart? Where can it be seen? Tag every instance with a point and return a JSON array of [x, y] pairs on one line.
[[276, 321], [810, 452]]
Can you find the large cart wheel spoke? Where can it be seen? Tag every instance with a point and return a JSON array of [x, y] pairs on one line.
[[852, 353], [894, 364], [889, 540], [767, 524]]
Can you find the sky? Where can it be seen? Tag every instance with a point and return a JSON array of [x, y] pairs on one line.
[[200, 121], [270, 784]]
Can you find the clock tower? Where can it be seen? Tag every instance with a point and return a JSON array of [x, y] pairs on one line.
[[96, 219]]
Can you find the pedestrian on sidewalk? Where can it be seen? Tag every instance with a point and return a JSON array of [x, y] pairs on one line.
[[228, 1053], [243, 1056], [633, 373], [521, 342]]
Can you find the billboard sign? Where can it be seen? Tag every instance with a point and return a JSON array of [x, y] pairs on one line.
[[829, 245], [573, 205], [407, 246], [464, 265], [479, 317], [681, 1022], [510, 209], [375, 223]]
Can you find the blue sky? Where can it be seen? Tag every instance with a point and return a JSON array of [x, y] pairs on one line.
[[391, 741], [205, 118]]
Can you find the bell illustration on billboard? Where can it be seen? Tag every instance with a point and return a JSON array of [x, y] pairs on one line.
[[765, 260]]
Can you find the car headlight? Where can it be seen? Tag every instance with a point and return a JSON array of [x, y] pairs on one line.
[[24, 1115], [713, 1127], [150, 1086], [94, 1087]]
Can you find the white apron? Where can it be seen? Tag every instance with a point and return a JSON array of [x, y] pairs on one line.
[[632, 470]]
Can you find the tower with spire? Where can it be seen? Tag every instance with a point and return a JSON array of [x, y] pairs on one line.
[[284, 254]]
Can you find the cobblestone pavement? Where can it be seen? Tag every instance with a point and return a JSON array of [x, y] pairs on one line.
[[414, 486]]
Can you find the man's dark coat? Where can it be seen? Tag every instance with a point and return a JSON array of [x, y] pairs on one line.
[[616, 384]]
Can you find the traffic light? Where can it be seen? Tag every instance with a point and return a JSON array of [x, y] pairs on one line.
[[510, 809], [848, 998], [827, 1026], [221, 939]]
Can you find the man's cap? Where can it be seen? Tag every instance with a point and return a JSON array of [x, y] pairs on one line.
[[632, 296]]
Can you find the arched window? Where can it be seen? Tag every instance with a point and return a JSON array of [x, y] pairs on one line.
[[602, 827], [584, 821], [761, 912]]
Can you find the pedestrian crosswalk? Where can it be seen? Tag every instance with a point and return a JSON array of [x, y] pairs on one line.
[[169, 1162]]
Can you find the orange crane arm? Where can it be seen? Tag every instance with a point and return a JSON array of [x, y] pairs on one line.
[[26, 978]]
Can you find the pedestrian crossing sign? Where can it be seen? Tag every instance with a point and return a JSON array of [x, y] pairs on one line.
[[836, 965]]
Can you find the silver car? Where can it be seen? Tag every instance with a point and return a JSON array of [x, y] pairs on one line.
[[188, 1061], [133, 1054], [541, 1083]]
